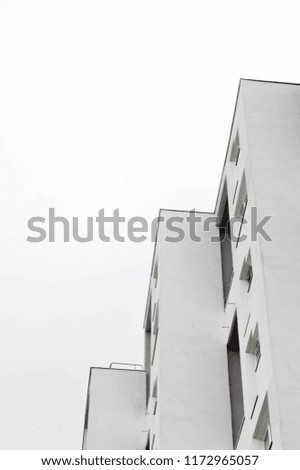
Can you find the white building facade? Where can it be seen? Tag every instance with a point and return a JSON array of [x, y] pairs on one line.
[[222, 323]]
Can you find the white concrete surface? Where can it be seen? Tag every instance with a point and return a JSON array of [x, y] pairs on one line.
[[191, 363], [267, 118], [116, 409], [272, 117]]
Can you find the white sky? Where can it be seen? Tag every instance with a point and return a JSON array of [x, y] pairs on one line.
[[107, 104]]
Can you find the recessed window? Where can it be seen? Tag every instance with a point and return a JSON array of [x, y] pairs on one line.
[[147, 344], [225, 242], [155, 334], [154, 348], [250, 276], [235, 191], [242, 199], [154, 395], [247, 271], [241, 206], [247, 324], [147, 447], [257, 353], [155, 308], [244, 206], [155, 319], [235, 149], [253, 346], [235, 383], [254, 406], [155, 272], [263, 427], [154, 391], [86, 416], [268, 439]]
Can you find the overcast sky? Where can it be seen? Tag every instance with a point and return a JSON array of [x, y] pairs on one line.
[[107, 104]]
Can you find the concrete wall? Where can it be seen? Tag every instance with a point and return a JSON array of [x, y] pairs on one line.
[[116, 409], [251, 307], [193, 392], [272, 116], [267, 119]]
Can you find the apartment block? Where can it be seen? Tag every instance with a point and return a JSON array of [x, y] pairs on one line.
[[222, 323]]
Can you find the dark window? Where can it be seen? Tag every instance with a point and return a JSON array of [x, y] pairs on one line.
[[147, 351], [235, 150], [155, 273], [257, 354], [247, 271], [155, 333], [148, 361], [241, 206], [155, 336], [86, 416], [235, 191], [254, 406], [242, 216], [249, 277], [267, 442], [237, 156], [253, 346], [244, 206], [235, 383], [263, 428], [147, 447], [226, 252]]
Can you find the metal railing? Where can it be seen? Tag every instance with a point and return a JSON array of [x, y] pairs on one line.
[[128, 364]]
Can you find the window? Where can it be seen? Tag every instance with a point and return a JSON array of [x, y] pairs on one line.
[[151, 334], [268, 439], [247, 324], [254, 406], [263, 427], [154, 391], [235, 191], [154, 347], [86, 416], [155, 308], [225, 242], [154, 395], [257, 353], [249, 276], [247, 271], [147, 446], [155, 334], [235, 383], [147, 351], [155, 273], [242, 199], [235, 149], [241, 205], [153, 440], [253, 346], [155, 319]]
